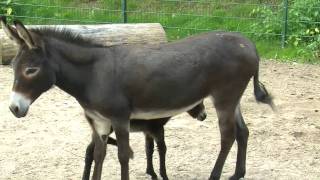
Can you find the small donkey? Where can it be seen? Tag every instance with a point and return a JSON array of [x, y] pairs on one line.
[[153, 131]]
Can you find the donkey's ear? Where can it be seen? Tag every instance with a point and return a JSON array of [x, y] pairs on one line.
[[24, 34], [10, 31]]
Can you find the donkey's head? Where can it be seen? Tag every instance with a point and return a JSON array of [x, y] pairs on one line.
[[198, 112], [32, 73]]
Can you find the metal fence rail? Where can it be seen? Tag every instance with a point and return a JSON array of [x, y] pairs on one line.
[[180, 18]]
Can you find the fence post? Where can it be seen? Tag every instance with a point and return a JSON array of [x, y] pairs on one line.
[[124, 11], [285, 24]]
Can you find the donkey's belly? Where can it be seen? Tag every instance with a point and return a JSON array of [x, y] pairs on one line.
[[160, 113]]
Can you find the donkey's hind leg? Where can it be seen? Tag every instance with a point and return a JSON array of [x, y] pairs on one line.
[[162, 148], [149, 153], [155, 132], [242, 134], [227, 125], [158, 136]]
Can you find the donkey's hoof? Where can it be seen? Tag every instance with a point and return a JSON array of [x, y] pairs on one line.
[[152, 174], [165, 177], [214, 177], [202, 116], [234, 177]]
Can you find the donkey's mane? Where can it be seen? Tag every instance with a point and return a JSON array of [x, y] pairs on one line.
[[66, 35]]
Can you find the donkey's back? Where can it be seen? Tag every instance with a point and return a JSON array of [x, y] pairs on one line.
[[156, 76]]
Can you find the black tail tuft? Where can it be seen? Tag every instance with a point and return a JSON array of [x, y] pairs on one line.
[[261, 93]]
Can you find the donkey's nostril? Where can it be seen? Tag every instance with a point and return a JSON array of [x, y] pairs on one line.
[[14, 109]]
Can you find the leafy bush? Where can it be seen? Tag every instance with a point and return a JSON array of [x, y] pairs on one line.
[[6, 8], [303, 24], [305, 17], [269, 22]]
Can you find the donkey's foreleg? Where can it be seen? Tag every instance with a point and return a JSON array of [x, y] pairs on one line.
[[121, 128], [101, 128], [242, 134], [88, 161], [227, 132], [98, 156], [114, 142]]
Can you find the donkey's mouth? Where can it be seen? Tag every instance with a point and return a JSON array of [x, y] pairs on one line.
[[17, 112]]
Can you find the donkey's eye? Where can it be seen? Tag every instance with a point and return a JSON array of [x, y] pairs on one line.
[[31, 71]]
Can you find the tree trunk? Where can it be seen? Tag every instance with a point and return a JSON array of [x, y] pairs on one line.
[[106, 34]]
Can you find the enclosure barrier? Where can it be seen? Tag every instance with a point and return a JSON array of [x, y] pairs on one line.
[[270, 24], [105, 34]]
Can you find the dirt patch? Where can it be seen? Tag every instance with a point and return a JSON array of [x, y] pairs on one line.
[[50, 142]]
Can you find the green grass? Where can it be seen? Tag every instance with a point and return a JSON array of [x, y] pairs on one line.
[[180, 19], [273, 50]]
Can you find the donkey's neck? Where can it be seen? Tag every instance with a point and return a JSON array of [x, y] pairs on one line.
[[76, 54], [73, 65]]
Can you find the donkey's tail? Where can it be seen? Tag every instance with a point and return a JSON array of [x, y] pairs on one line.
[[260, 92]]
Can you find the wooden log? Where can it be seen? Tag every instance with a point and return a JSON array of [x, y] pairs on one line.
[[106, 34]]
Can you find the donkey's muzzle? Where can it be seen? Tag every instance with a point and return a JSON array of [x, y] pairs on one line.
[[16, 111], [202, 115], [19, 104]]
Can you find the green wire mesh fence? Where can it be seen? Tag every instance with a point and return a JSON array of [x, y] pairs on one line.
[[272, 19]]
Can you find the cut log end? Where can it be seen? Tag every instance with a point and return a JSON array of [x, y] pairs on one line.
[[106, 34]]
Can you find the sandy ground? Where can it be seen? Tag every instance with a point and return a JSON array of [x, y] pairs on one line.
[[50, 142]]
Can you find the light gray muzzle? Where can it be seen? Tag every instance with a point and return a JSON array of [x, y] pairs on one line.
[[19, 104]]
